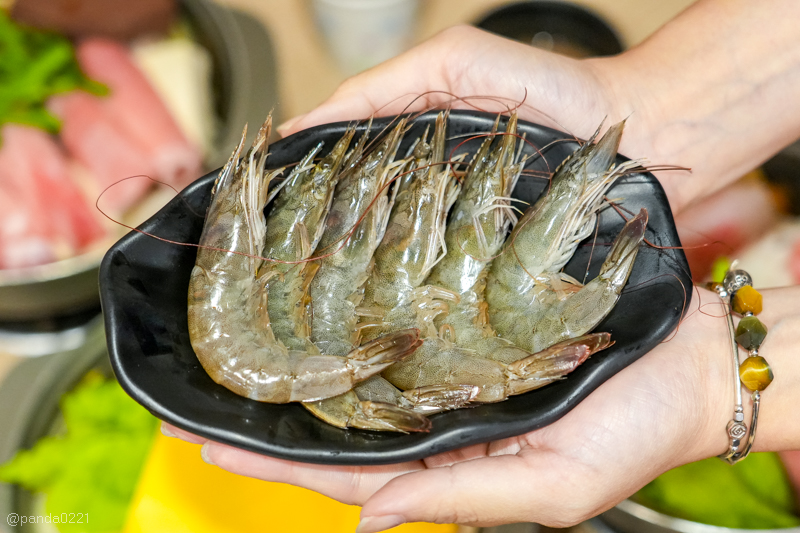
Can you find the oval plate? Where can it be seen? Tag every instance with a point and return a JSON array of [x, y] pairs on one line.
[[144, 283]]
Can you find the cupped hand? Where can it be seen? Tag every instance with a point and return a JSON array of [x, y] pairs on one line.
[[662, 411], [467, 68]]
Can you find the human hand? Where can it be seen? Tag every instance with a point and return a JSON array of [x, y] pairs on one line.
[[467, 68], [668, 408], [701, 93]]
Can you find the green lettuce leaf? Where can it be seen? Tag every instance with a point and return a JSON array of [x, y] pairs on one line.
[[94, 467]]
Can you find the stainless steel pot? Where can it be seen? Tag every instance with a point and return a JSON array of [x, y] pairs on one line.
[[29, 398], [631, 517]]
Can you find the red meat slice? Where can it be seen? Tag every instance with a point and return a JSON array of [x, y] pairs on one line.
[[43, 214], [91, 136], [137, 109]]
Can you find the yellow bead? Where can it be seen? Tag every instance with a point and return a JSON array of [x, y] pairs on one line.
[[755, 373], [747, 299]]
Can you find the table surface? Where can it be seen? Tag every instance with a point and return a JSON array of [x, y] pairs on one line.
[[307, 74]]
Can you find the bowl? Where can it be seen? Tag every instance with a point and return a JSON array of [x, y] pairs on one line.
[[560, 27], [144, 284], [631, 517], [245, 88], [29, 404]]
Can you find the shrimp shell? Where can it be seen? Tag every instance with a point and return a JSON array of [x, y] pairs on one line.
[[227, 302]]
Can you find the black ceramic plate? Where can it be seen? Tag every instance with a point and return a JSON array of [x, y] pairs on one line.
[[144, 282]]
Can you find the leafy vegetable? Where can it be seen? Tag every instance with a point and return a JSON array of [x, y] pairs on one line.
[[33, 66], [753, 494], [94, 468]]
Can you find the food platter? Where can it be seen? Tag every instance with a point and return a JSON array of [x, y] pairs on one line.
[[144, 282]]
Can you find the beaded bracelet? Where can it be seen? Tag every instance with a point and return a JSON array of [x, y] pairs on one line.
[[740, 297]]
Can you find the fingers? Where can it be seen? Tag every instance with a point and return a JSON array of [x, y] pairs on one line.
[[347, 484], [483, 492], [171, 431], [390, 88], [426, 76]]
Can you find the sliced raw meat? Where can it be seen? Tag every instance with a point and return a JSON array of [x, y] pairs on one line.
[[139, 112], [94, 139], [44, 216]]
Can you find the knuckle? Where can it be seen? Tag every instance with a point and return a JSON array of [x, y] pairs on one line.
[[458, 32], [348, 85]]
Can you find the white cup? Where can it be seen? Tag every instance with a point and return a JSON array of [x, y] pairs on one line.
[[362, 33]]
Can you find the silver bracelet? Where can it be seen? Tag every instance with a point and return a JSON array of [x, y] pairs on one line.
[[739, 296]]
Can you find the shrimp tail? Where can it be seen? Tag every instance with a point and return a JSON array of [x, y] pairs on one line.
[[347, 411], [555, 362], [619, 262], [437, 398], [378, 354], [584, 309]]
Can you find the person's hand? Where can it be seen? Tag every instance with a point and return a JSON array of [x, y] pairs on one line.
[[666, 409], [702, 93], [467, 68]]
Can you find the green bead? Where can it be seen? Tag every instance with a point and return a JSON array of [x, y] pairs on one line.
[[751, 333], [755, 373]]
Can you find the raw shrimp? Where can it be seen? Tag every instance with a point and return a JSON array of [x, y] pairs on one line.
[[295, 225], [227, 303], [461, 354], [337, 288], [529, 301], [361, 204], [412, 245]]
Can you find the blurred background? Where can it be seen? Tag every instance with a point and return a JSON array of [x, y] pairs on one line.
[[97, 94]]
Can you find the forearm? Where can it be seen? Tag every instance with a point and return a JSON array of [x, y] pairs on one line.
[[717, 89]]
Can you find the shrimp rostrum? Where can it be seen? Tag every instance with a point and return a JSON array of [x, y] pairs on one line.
[[229, 323]]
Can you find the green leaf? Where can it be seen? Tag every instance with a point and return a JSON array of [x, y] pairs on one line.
[[94, 467], [753, 494], [35, 65]]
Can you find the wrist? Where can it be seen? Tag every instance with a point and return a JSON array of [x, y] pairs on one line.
[[714, 369], [778, 427]]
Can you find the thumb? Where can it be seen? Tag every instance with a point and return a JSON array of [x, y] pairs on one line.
[[481, 492]]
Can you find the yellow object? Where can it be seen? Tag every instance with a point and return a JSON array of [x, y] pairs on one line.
[[755, 373], [747, 299], [179, 493]]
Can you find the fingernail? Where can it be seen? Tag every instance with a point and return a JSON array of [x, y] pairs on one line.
[[373, 524], [166, 431], [289, 123], [204, 454]]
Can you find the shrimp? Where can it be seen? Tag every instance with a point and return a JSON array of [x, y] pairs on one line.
[[361, 200], [467, 351], [228, 317], [412, 242], [530, 302], [337, 287], [296, 223]]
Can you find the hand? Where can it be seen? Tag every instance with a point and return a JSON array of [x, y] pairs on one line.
[[493, 74], [668, 408], [701, 93]]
